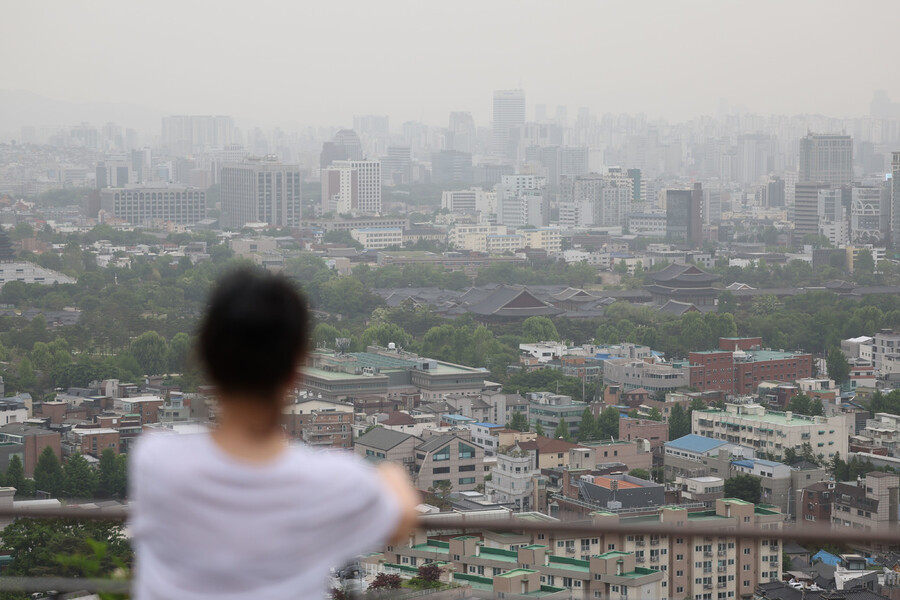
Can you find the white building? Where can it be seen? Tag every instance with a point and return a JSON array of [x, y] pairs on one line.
[[512, 478], [773, 432], [509, 113], [352, 186], [543, 351], [469, 201], [30, 273], [377, 238]]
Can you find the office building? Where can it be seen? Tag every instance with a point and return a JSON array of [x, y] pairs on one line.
[[870, 216], [142, 205], [775, 192], [261, 190], [451, 167], [352, 186], [806, 209], [684, 216], [826, 159], [600, 200], [509, 114]]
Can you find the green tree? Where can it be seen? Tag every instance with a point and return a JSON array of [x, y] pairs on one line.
[[151, 352], [386, 581], [539, 329], [15, 475], [179, 351], [109, 484], [587, 429], [383, 334], [744, 487], [654, 414], [80, 478], [519, 422], [837, 365], [640, 473], [539, 429], [864, 264], [608, 423], [27, 379], [679, 422], [764, 305], [562, 432], [439, 494], [48, 473], [35, 546]]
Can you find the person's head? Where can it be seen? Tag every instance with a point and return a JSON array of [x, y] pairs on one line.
[[254, 334]]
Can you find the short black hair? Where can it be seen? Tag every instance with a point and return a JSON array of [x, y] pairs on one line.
[[254, 333]]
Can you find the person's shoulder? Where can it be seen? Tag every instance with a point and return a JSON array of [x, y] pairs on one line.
[[330, 463], [161, 448]]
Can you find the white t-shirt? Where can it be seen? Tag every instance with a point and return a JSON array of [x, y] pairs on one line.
[[207, 525]]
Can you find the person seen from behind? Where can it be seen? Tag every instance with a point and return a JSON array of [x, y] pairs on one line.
[[239, 512]]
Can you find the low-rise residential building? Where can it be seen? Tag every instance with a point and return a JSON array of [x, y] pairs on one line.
[[772, 432], [513, 479], [486, 436], [383, 444], [871, 506], [449, 459], [656, 432], [592, 455], [28, 442], [92, 440], [738, 367], [147, 407], [884, 431], [542, 238]]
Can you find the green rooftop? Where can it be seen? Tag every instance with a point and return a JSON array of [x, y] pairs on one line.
[[613, 554], [516, 573], [433, 546], [497, 554], [773, 417], [533, 547], [736, 501], [572, 564]]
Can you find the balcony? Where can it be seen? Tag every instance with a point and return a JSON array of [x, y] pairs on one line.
[[639, 543], [708, 554], [721, 584], [723, 553], [722, 569], [639, 559], [654, 558], [707, 586]]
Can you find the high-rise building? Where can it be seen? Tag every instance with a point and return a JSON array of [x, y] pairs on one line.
[[509, 113], [451, 167], [395, 167], [775, 192], [806, 209], [261, 190], [684, 216], [344, 146], [469, 201], [602, 200], [352, 186], [461, 133], [184, 135], [147, 204], [113, 173], [754, 157], [895, 199], [826, 159]]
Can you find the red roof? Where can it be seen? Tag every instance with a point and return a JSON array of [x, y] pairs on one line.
[[398, 418]]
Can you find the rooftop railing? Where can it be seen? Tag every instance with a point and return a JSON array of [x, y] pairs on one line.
[[886, 534]]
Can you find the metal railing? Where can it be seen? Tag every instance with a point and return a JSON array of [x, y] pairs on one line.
[[888, 535]]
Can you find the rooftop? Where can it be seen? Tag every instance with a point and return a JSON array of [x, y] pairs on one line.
[[695, 443]]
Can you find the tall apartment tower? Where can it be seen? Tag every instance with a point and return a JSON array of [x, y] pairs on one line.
[[826, 159], [684, 216], [461, 133], [352, 186], [895, 199], [261, 190], [509, 113]]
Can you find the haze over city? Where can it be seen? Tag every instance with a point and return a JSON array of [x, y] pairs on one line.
[[613, 288], [319, 63]]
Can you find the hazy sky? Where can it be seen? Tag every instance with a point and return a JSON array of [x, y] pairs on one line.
[[304, 62]]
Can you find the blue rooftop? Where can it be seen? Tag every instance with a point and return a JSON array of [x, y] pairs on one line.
[[827, 558], [695, 443], [459, 418], [487, 425], [751, 462]]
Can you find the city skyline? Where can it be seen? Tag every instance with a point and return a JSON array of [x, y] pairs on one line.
[[675, 77]]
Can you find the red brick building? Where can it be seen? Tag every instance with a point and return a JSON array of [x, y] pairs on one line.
[[30, 441], [734, 370]]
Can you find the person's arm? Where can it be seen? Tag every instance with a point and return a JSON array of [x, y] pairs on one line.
[[397, 481]]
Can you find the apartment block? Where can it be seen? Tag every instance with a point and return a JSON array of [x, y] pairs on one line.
[[378, 238], [871, 506], [449, 459], [615, 566], [772, 432]]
